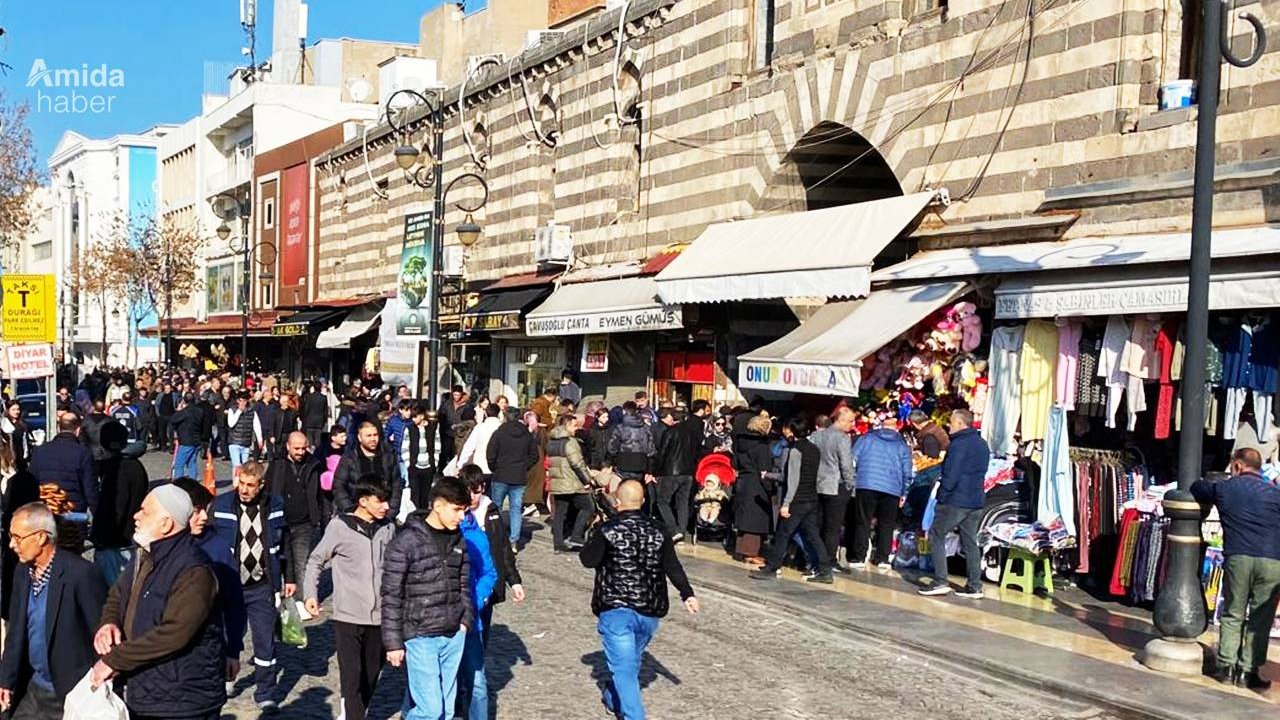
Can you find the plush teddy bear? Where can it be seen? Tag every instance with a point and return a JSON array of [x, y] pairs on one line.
[[882, 372], [913, 373], [966, 315]]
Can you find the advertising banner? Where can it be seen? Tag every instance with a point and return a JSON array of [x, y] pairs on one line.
[[397, 355], [417, 266], [30, 309], [595, 354], [295, 225]]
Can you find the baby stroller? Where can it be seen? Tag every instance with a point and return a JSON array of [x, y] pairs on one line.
[[715, 475]]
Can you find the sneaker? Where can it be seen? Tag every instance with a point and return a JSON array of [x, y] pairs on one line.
[[573, 545], [515, 548], [1226, 675], [530, 511], [842, 568], [763, 573], [825, 578], [933, 590], [884, 567], [268, 705], [970, 593], [858, 566], [677, 538]]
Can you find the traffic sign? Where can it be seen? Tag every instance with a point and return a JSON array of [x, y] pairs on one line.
[[30, 308]]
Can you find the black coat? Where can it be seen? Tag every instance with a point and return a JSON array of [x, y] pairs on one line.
[[678, 451], [512, 452], [424, 591], [597, 446], [187, 424], [69, 464], [314, 411], [280, 483], [77, 592], [503, 557], [124, 485], [753, 492], [21, 489], [349, 471]]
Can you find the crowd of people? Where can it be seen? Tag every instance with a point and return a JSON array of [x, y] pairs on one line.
[[399, 501]]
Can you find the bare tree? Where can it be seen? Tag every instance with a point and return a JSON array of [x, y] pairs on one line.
[[19, 174], [160, 268], [94, 275]]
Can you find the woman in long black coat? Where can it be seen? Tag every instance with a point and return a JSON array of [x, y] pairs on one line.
[[753, 492]]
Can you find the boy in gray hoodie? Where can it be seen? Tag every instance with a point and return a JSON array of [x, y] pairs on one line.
[[353, 545]]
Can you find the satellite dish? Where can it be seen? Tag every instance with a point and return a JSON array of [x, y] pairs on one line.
[[359, 89]]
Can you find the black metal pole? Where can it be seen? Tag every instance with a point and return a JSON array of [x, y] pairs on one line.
[[168, 302], [437, 249], [1180, 613], [245, 296]]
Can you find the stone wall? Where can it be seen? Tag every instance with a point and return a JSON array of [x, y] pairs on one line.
[[1008, 112]]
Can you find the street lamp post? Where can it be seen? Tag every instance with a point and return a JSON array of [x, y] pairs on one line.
[[1180, 607], [430, 174], [227, 207]]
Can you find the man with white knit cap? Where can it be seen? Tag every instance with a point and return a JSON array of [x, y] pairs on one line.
[[161, 627]]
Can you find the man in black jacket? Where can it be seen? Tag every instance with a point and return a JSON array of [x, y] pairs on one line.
[[676, 460], [124, 485], [187, 424], [295, 477], [92, 435], [633, 558], [53, 613], [631, 449], [366, 458], [426, 599], [512, 452], [315, 415], [166, 406], [64, 461]]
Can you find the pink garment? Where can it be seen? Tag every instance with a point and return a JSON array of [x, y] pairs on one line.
[[1140, 359], [1068, 363]]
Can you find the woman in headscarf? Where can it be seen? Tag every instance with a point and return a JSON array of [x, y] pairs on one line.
[[753, 494]]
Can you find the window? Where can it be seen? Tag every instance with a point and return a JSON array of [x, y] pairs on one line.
[[764, 17], [42, 251], [268, 213], [923, 7], [222, 288], [1192, 29]]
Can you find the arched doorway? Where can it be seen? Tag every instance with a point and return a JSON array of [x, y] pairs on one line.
[[830, 165]]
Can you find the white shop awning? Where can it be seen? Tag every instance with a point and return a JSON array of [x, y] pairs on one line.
[[340, 337], [607, 306], [1239, 284], [1087, 252], [820, 253], [824, 355]]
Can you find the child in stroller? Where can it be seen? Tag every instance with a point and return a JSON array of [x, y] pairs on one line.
[[715, 475]]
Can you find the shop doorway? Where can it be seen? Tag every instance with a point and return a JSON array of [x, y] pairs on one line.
[[529, 369]]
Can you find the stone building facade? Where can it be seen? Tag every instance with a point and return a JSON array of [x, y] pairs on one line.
[[714, 110]]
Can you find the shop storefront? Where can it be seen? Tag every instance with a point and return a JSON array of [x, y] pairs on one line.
[[495, 321], [297, 336], [611, 329]]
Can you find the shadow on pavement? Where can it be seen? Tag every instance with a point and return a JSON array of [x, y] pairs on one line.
[[650, 669], [505, 651]]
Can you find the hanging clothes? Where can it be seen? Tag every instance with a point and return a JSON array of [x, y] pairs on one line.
[[1004, 390], [1057, 486], [1039, 355], [1091, 391], [1264, 376], [1065, 385], [1165, 340], [1114, 340]]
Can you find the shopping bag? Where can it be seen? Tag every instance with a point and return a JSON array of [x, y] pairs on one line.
[[210, 477], [926, 521], [291, 630], [86, 703]]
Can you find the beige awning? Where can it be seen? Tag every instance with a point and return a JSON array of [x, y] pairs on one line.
[[824, 355], [820, 253], [358, 323], [601, 307]]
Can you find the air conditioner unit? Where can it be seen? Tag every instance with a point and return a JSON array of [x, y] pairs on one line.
[[534, 38], [474, 61], [451, 261], [553, 245]]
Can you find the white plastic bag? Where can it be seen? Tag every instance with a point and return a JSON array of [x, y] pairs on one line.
[[85, 703]]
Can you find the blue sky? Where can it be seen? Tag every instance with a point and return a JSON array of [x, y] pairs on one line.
[[162, 47]]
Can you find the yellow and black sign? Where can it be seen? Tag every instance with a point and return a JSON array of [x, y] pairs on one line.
[[289, 330], [30, 309], [492, 322]]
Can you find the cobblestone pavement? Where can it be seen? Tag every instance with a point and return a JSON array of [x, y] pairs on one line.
[[735, 660]]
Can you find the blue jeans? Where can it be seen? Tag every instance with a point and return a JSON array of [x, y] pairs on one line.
[[432, 669], [473, 686], [501, 491], [625, 634], [186, 461], [112, 562], [239, 454]]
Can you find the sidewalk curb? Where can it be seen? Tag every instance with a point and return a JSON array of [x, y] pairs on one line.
[[1128, 707]]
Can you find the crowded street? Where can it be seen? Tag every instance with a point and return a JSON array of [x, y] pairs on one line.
[[639, 359]]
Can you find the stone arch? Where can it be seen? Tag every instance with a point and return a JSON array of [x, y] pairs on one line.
[[829, 165]]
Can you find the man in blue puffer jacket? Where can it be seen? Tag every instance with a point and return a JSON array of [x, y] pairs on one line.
[[960, 505], [884, 476]]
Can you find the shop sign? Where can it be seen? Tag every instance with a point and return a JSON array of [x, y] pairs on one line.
[[417, 271], [1152, 297], [29, 362], [786, 377], [493, 322], [29, 310], [398, 355], [595, 354], [648, 319], [289, 330]]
